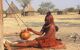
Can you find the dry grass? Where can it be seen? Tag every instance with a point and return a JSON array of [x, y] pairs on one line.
[[11, 26]]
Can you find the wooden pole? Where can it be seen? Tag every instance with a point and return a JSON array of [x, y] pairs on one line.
[[1, 26]]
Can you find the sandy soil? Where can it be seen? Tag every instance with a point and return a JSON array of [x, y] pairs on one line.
[[67, 29]]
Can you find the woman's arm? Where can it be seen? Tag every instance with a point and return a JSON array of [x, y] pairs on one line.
[[36, 32]]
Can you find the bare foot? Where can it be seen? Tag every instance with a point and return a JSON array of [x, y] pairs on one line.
[[7, 45]]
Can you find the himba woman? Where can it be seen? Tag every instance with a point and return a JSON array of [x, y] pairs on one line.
[[48, 40]]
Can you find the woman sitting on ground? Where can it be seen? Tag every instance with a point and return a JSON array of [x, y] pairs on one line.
[[47, 36]]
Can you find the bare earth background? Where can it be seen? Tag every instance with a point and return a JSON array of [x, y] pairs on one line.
[[69, 25]]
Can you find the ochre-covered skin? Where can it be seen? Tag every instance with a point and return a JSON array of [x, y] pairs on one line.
[[48, 39]]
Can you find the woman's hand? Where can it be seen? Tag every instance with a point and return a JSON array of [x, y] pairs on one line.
[[29, 29], [33, 31]]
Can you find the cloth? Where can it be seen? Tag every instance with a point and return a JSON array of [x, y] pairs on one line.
[[45, 42]]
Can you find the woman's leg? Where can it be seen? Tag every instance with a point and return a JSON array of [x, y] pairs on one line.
[[32, 43], [26, 44]]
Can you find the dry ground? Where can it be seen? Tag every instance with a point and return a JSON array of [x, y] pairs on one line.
[[66, 28]]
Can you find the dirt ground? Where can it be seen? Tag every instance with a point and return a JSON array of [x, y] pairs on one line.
[[69, 26]]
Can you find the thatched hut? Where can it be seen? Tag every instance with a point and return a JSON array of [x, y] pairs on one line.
[[29, 10], [12, 9]]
